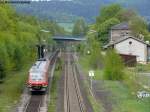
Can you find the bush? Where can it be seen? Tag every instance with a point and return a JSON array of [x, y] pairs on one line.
[[96, 58], [3, 61], [114, 66], [2, 72]]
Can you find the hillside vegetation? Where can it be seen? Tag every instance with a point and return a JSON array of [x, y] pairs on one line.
[[69, 11], [18, 36]]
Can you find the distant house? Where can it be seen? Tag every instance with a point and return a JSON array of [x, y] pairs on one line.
[[132, 46], [120, 31]]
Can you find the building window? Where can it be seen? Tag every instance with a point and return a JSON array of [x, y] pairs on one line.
[[130, 42]]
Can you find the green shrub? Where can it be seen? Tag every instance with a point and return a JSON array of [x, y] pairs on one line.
[[114, 66], [96, 59], [2, 72]]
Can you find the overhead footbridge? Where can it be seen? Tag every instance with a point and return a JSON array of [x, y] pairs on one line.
[[67, 38], [65, 41]]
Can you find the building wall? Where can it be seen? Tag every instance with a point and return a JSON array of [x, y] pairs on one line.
[[117, 34], [148, 50], [133, 47]]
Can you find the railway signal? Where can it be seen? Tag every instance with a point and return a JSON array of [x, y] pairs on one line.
[[91, 75], [41, 50]]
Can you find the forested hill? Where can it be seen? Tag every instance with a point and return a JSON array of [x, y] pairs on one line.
[[19, 35], [69, 10]]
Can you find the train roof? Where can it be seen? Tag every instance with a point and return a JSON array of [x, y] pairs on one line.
[[39, 66]]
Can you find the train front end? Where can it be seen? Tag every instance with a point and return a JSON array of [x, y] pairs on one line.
[[38, 77], [37, 81]]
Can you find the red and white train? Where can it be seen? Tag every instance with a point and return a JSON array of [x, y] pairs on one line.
[[38, 75]]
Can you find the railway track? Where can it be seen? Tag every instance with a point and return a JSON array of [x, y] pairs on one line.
[[34, 104], [73, 101], [37, 99]]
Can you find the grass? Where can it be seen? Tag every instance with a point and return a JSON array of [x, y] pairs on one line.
[[67, 26], [123, 100], [144, 80], [96, 106], [123, 94], [12, 88], [83, 61], [54, 88], [143, 68]]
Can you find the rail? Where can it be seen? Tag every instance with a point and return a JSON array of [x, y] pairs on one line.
[[35, 102], [71, 72], [79, 95]]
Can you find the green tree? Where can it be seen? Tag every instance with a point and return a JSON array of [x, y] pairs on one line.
[[104, 28], [114, 67], [108, 12], [80, 28], [3, 61], [139, 26], [149, 27], [18, 36], [96, 58], [115, 14], [2, 71], [12, 40], [81, 48], [18, 57], [107, 18], [125, 15]]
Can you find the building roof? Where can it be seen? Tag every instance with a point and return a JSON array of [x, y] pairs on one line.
[[132, 38], [39, 66], [121, 26], [123, 39], [67, 38]]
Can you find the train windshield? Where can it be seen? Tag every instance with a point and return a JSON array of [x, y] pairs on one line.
[[37, 76]]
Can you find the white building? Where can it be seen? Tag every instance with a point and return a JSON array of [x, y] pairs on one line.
[[132, 46], [120, 31]]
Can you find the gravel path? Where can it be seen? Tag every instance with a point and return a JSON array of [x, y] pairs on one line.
[[102, 95]]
